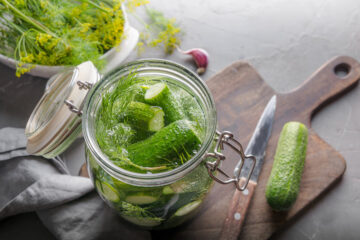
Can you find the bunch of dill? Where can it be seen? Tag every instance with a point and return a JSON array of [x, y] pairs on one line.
[[69, 32], [59, 32]]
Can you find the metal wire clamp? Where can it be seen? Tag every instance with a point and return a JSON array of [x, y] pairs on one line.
[[228, 139]]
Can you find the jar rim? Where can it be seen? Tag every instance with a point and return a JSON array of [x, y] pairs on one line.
[[144, 179]]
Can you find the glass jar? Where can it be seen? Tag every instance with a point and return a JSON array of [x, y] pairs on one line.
[[150, 200], [158, 200]]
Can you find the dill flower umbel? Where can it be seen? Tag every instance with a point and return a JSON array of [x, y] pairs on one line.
[[160, 31]]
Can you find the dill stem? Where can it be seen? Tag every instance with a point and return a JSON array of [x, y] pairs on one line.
[[30, 20], [138, 18], [94, 5], [147, 26], [18, 28]]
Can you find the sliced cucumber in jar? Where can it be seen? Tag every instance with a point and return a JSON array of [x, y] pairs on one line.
[[141, 199], [183, 214], [143, 116], [174, 140], [156, 93], [160, 95], [108, 191], [187, 209], [139, 215], [143, 221], [167, 190]]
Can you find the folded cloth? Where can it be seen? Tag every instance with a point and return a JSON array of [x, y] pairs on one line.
[[67, 205]]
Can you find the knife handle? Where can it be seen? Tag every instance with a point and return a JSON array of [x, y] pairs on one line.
[[237, 212]]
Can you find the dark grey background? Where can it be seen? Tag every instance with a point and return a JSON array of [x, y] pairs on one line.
[[286, 41]]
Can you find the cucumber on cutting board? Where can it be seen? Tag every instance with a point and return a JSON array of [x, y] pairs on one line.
[[166, 144], [159, 94], [284, 182], [143, 116]]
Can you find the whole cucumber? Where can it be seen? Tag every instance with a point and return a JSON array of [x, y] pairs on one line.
[[166, 146], [284, 181]]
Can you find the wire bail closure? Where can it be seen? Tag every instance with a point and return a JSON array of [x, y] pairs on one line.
[[228, 139], [70, 103]]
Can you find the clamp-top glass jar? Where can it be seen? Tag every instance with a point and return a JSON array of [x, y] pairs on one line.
[[159, 199]]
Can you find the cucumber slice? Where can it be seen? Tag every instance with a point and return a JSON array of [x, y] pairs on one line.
[[143, 116], [160, 95], [173, 141], [143, 221], [183, 214], [155, 191], [139, 216], [187, 209], [98, 185], [141, 199], [168, 190], [122, 186], [107, 191]]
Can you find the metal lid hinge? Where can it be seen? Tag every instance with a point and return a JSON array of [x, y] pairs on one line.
[[70, 103], [72, 107]]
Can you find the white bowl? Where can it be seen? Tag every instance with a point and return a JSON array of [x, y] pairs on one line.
[[114, 57]]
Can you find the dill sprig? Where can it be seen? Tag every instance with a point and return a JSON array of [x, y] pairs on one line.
[[160, 31], [129, 209]]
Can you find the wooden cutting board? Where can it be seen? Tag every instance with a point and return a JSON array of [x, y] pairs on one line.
[[241, 95]]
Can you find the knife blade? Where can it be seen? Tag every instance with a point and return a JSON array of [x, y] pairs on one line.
[[258, 142], [256, 147]]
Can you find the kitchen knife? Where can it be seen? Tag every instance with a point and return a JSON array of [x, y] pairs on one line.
[[256, 147]]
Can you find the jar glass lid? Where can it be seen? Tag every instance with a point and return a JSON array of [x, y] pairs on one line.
[[56, 119], [56, 92]]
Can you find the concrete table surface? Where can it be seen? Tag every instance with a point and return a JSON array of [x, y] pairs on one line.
[[285, 41]]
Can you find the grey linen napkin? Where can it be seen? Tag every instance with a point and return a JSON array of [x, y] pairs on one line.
[[67, 205]]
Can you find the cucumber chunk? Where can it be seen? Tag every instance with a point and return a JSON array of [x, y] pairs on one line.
[[160, 95], [284, 181], [141, 199], [156, 93], [168, 190], [184, 213], [107, 191], [143, 221], [139, 215], [176, 140], [187, 209], [143, 116]]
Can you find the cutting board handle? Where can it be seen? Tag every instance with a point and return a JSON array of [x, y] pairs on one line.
[[329, 80]]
